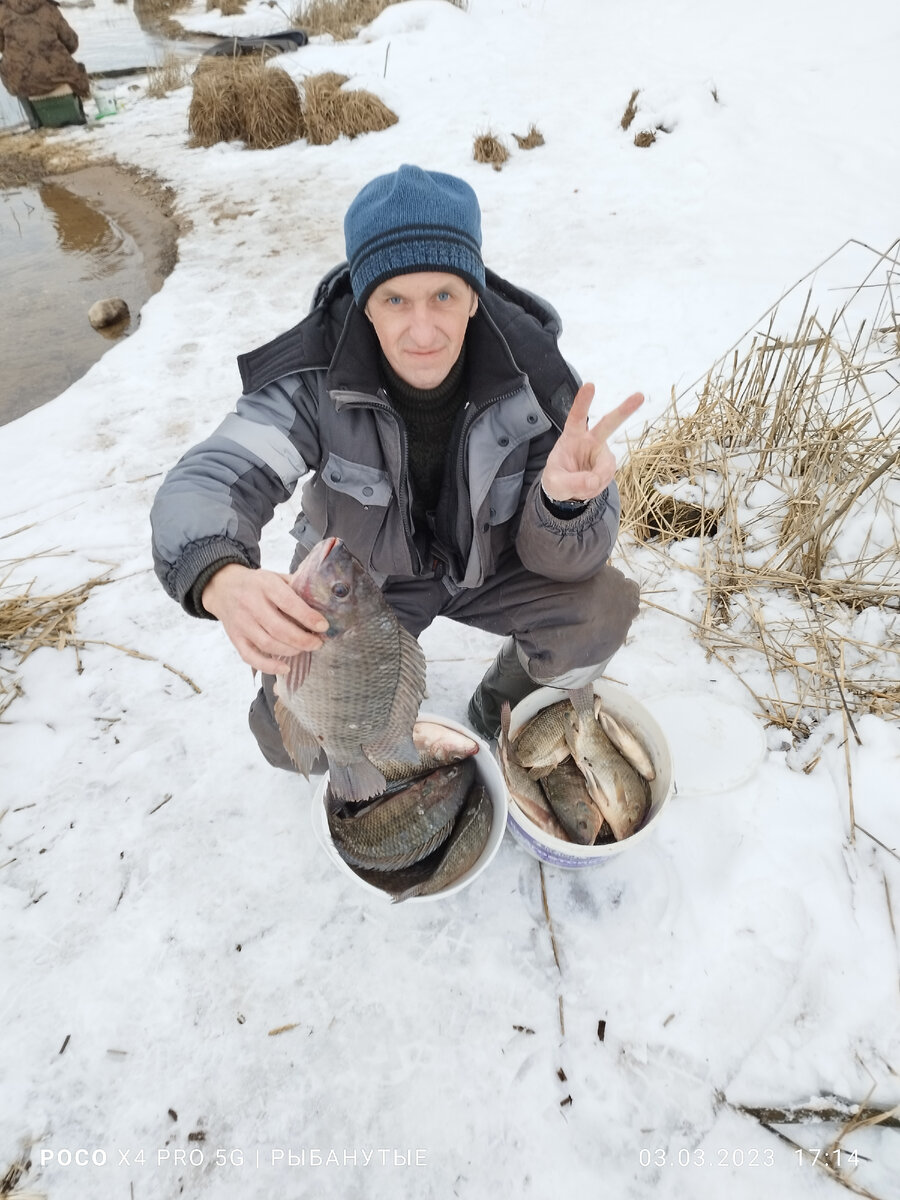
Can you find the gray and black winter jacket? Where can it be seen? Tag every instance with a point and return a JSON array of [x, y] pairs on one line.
[[313, 404]]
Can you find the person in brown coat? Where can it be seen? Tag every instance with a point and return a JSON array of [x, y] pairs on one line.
[[37, 44]]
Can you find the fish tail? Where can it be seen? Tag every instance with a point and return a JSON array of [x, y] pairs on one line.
[[583, 702], [357, 780]]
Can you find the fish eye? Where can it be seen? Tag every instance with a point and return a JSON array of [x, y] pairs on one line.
[[340, 590]]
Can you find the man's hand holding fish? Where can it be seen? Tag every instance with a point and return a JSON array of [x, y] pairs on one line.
[[263, 616]]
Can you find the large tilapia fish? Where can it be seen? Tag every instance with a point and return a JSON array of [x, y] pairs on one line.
[[403, 826], [456, 853], [357, 696]]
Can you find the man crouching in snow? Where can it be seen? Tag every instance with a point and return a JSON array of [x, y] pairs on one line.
[[450, 450]]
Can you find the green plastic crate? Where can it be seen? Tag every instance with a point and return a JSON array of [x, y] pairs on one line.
[[58, 110]]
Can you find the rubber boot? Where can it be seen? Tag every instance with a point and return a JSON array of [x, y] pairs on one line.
[[505, 679]]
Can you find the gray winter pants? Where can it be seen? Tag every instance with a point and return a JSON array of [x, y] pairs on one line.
[[563, 631]]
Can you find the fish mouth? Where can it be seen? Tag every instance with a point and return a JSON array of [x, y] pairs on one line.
[[328, 544]]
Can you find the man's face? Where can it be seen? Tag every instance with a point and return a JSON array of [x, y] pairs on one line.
[[420, 321]]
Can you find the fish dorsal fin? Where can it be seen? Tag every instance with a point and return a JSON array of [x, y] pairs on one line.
[[397, 738], [299, 742]]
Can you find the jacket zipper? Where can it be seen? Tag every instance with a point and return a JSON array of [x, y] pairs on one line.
[[380, 401], [468, 421]]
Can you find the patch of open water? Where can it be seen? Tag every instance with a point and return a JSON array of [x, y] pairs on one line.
[[58, 254], [63, 246]]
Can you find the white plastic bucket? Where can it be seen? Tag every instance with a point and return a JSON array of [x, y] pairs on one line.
[[619, 703], [105, 99], [487, 772]]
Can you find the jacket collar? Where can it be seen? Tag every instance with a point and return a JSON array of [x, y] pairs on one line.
[[354, 374]]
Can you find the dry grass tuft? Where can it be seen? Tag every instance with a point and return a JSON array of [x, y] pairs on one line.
[[158, 16], [28, 622], [786, 470], [19, 169], [322, 106], [645, 138], [490, 149], [532, 138], [362, 112], [343, 18], [243, 98], [228, 8], [170, 75], [330, 112]]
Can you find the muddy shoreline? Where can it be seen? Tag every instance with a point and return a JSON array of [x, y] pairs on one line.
[[137, 201]]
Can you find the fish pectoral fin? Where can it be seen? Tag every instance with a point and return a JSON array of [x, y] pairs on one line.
[[298, 741], [402, 750], [297, 671], [356, 780], [627, 745], [595, 789]]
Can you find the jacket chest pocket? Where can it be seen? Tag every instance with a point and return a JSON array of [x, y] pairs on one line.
[[355, 481], [358, 501], [503, 497]]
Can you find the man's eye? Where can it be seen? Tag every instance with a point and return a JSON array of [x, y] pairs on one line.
[[443, 295], [395, 300]]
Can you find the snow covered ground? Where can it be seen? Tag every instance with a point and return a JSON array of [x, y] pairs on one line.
[[193, 1000]]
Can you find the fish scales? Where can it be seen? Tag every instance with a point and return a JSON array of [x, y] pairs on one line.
[[407, 825], [464, 846], [625, 740], [541, 744], [357, 696], [525, 791], [437, 745], [619, 792], [567, 793]]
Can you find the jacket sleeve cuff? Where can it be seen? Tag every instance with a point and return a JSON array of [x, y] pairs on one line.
[[200, 561], [564, 510], [579, 518]]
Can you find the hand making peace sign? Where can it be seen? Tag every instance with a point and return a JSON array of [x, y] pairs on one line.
[[581, 464]]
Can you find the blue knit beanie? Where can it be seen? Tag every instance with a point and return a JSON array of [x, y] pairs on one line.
[[413, 220]]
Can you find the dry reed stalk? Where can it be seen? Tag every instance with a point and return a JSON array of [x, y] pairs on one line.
[[487, 148], [159, 15], [28, 622], [785, 470], [630, 109], [341, 18], [169, 75]]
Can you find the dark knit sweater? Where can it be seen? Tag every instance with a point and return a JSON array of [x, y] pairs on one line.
[[429, 415]]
